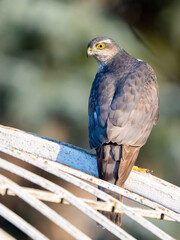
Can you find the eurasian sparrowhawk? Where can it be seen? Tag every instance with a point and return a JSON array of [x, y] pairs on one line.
[[123, 107]]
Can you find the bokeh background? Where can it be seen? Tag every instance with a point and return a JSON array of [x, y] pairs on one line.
[[45, 80]]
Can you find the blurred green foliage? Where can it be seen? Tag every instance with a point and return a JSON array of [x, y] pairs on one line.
[[45, 77]]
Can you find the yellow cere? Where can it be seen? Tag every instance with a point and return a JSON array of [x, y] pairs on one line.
[[89, 49], [100, 46]]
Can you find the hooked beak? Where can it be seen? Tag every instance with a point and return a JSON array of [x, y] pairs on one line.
[[89, 51]]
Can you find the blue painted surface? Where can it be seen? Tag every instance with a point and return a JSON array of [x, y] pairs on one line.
[[80, 160]]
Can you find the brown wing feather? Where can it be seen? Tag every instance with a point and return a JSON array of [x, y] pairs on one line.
[[129, 156]]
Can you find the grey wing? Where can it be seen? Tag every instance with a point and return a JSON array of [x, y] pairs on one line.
[[123, 110], [100, 99], [134, 109]]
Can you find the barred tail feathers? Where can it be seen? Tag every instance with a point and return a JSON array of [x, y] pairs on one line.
[[115, 163]]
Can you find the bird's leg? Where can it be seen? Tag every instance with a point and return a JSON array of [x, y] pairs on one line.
[[136, 168]]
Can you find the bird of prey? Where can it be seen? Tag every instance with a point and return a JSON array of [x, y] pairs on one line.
[[123, 107]]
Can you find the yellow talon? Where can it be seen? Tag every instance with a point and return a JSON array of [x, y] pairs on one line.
[[136, 168]]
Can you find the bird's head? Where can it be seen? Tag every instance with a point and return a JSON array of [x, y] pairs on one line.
[[102, 49]]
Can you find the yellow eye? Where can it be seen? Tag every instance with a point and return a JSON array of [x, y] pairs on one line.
[[100, 46]]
